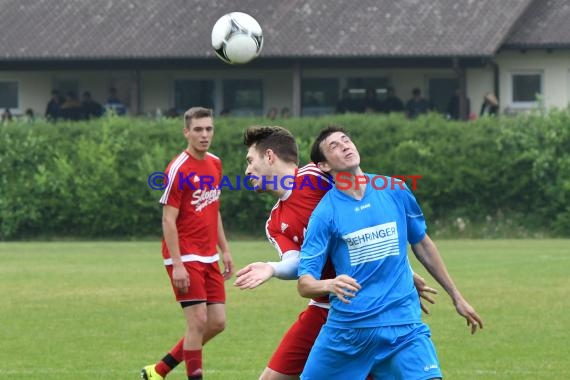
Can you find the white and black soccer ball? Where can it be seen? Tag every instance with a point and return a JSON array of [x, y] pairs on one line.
[[237, 38]]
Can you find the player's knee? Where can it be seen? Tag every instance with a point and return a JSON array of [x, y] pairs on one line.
[[197, 322], [218, 325]]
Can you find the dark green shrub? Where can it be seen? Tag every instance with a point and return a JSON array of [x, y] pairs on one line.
[[492, 177]]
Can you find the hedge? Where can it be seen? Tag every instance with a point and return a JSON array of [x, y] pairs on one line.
[[490, 177]]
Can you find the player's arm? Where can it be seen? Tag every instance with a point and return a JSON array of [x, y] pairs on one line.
[[225, 249], [180, 277], [314, 254], [255, 274], [428, 254], [343, 286]]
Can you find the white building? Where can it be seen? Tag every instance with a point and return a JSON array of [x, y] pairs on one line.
[[157, 53]]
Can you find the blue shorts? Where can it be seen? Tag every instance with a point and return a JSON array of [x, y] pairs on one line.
[[388, 353]]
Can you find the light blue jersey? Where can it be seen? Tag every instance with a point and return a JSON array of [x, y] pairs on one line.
[[367, 240]]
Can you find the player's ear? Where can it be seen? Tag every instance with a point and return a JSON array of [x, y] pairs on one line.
[[324, 166], [270, 155]]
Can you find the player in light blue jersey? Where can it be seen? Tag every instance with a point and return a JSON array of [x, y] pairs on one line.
[[374, 324]]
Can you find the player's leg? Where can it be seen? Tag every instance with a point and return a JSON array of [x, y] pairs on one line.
[[215, 325], [216, 298], [196, 315], [407, 352], [216, 321], [159, 370], [214, 292], [291, 355]]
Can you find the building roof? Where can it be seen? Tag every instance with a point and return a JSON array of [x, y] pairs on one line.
[[543, 25], [152, 29]]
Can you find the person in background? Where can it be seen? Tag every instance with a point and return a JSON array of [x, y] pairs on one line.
[[490, 105], [272, 113], [392, 103], [417, 105], [453, 111], [193, 231], [71, 108], [90, 108], [6, 116], [371, 102], [29, 116], [53, 108], [114, 104]]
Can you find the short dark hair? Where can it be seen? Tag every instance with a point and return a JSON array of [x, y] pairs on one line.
[[416, 91], [278, 139], [197, 113], [317, 154]]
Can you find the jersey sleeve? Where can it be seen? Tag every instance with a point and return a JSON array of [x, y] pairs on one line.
[[172, 195], [282, 243], [415, 221], [314, 251]]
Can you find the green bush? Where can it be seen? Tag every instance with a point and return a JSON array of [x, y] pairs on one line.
[[488, 178]]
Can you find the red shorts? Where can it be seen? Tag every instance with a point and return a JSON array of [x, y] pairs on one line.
[[206, 283], [291, 355]]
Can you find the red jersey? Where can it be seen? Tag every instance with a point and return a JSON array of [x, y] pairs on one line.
[[193, 188], [289, 218]]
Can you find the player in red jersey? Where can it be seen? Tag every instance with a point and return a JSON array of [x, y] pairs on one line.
[[272, 163], [193, 230]]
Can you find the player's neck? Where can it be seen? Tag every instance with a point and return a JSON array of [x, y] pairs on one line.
[[285, 175], [199, 155], [351, 182]]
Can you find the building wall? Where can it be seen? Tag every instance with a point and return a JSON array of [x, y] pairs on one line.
[[157, 86], [479, 83], [554, 67]]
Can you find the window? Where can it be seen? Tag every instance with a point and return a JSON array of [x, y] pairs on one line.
[[191, 93], [243, 97], [8, 95], [526, 88], [358, 86], [319, 96], [441, 90]]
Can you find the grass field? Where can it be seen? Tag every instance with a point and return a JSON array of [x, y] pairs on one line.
[[102, 310]]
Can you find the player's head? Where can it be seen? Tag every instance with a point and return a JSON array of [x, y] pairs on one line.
[[270, 148], [199, 129], [333, 151], [281, 142]]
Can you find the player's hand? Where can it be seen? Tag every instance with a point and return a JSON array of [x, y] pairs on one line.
[[470, 315], [344, 287], [228, 265], [180, 278], [424, 291], [253, 275]]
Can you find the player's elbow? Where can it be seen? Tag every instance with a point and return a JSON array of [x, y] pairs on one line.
[[304, 286]]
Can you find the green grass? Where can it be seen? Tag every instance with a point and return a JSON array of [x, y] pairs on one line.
[[102, 310]]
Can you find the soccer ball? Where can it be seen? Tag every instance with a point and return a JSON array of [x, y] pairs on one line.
[[237, 38]]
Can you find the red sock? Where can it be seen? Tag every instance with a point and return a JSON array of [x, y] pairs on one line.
[[171, 360], [193, 361]]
